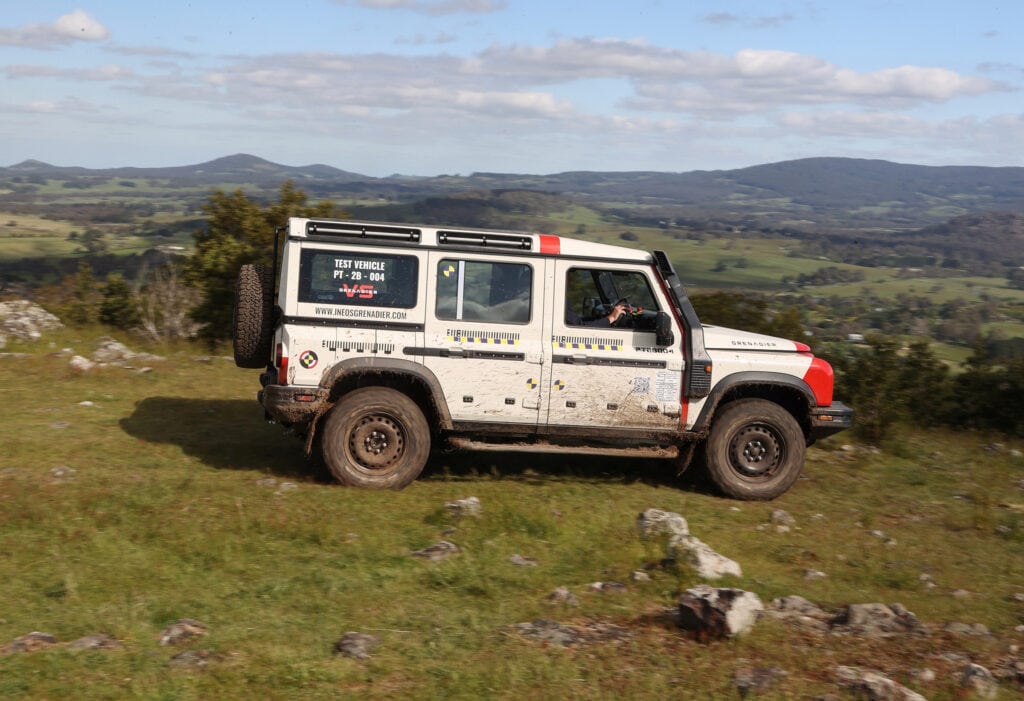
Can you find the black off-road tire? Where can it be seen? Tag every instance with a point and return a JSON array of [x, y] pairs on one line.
[[755, 450], [252, 326], [375, 437]]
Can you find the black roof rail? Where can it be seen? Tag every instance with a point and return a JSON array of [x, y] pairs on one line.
[[486, 240], [379, 232]]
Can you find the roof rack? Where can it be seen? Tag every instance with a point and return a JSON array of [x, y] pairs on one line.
[[485, 240], [362, 231]]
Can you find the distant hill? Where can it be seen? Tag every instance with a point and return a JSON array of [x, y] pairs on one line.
[[239, 168], [814, 194]]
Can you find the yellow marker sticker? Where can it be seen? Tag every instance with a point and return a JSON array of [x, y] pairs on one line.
[[531, 383], [449, 271], [559, 385]]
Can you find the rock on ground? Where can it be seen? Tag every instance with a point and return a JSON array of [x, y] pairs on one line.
[[705, 561], [182, 631], [551, 632], [718, 613], [30, 642], [356, 645], [654, 523], [562, 595], [980, 681], [25, 321], [80, 364], [799, 611], [116, 353], [874, 686], [878, 620], [470, 506], [437, 551], [100, 641]]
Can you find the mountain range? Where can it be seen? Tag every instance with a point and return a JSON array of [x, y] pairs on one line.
[[822, 194]]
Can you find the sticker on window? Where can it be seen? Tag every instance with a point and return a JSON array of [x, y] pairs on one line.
[[341, 277]]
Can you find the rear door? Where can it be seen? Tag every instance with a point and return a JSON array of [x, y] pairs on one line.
[[482, 339]]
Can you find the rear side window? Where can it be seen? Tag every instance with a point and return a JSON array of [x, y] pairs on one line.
[[362, 279], [470, 290]]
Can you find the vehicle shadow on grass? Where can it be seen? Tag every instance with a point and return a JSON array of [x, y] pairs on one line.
[[542, 468], [222, 433], [231, 434]]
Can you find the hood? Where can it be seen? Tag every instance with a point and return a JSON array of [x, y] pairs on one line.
[[721, 338]]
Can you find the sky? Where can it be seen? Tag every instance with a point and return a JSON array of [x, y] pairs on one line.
[[431, 87]]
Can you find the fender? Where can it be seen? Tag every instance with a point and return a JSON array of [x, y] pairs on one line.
[[740, 379], [393, 366]]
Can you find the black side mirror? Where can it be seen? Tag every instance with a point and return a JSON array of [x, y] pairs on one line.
[[663, 330]]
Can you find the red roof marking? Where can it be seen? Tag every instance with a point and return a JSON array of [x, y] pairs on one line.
[[551, 245]]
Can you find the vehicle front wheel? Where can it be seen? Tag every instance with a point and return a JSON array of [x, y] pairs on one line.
[[755, 450], [376, 437]]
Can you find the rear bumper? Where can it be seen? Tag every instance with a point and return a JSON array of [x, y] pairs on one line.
[[828, 420], [290, 404]]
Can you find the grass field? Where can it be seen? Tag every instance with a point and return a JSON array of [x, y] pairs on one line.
[[182, 503]]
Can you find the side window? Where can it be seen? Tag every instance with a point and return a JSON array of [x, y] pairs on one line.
[[364, 279], [591, 293], [470, 290]]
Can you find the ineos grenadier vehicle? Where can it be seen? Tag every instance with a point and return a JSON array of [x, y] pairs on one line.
[[385, 340]]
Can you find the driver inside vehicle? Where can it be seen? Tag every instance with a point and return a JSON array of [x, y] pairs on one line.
[[621, 307]]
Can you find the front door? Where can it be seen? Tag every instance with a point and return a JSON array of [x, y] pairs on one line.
[[604, 373]]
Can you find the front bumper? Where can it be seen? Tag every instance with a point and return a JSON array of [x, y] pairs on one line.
[[291, 404], [828, 420]]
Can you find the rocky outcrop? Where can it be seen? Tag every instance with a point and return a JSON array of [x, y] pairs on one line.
[[25, 321]]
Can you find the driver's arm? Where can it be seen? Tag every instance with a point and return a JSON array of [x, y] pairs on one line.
[[617, 311]]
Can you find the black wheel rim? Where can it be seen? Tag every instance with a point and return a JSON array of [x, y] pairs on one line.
[[755, 452], [376, 442]]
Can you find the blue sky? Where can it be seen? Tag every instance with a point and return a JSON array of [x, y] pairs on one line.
[[425, 87]]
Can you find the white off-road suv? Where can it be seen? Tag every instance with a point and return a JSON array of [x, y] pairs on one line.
[[385, 340]]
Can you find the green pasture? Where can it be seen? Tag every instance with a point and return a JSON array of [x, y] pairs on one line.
[[133, 497]]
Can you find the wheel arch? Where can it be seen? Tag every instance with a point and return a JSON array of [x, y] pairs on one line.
[[413, 379], [791, 393]]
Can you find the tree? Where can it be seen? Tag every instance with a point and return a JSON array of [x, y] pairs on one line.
[[165, 303], [93, 242], [869, 385], [119, 307], [83, 307], [238, 231]]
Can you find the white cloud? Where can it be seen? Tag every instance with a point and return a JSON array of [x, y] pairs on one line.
[[66, 29], [109, 72], [726, 19], [697, 81]]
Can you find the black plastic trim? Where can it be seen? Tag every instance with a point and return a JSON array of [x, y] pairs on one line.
[[353, 323], [739, 379], [616, 362], [462, 353]]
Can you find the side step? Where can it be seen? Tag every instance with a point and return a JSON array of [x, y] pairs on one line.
[[541, 446]]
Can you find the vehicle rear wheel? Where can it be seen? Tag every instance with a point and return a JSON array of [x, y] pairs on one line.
[[755, 450], [376, 437], [252, 326]]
